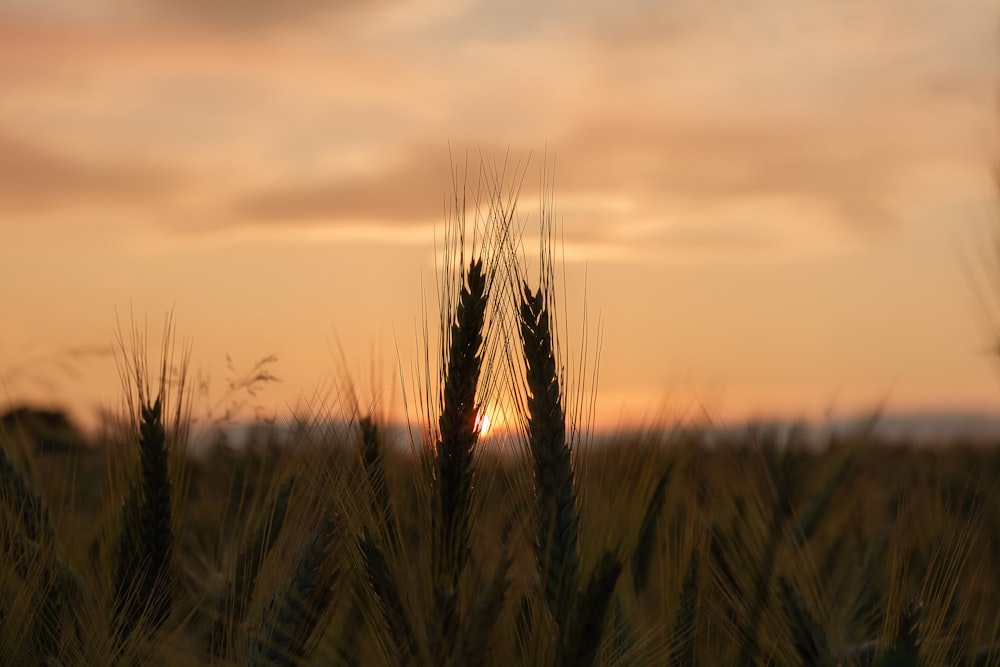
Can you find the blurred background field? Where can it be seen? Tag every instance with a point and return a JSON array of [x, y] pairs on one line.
[[876, 538]]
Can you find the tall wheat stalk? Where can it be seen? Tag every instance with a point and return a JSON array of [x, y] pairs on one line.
[[557, 520], [470, 342], [143, 586], [578, 606], [21, 499], [27, 543], [292, 617], [458, 437], [239, 590]]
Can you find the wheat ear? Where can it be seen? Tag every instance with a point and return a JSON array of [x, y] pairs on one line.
[[779, 468], [33, 555], [458, 435], [683, 639], [384, 588], [17, 493], [558, 522], [373, 460], [582, 634], [472, 648], [291, 619], [646, 544], [240, 588], [906, 644], [808, 636], [145, 547]]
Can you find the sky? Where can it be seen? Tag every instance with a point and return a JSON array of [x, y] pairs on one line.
[[766, 210]]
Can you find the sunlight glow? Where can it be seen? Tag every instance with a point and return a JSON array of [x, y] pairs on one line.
[[483, 423]]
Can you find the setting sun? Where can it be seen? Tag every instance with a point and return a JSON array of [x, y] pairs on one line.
[[483, 423]]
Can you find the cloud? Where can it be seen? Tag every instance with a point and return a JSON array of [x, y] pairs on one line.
[[34, 178], [417, 187], [638, 215], [723, 179], [662, 125], [397, 196], [256, 15], [210, 238], [660, 164]]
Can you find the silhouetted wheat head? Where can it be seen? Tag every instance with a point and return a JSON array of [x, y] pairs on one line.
[[457, 426], [291, 618], [144, 576], [558, 527], [142, 589]]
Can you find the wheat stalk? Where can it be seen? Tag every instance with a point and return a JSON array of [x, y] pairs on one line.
[[373, 461], [458, 433], [644, 550], [583, 632], [292, 618], [384, 587], [558, 523], [808, 636], [145, 548], [28, 544], [472, 647], [683, 635], [249, 561], [144, 569], [19, 495]]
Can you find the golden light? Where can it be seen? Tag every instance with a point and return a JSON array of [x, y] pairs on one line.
[[483, 423]]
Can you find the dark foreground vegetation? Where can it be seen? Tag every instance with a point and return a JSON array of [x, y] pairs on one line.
[[318, 547]]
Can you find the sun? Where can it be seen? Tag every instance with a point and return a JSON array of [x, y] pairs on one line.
[[483, 423]]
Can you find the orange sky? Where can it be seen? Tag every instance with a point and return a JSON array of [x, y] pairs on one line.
[[766, 204]]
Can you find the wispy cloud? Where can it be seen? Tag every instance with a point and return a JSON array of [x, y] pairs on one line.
[[253, 15], [34, 178], [409, 192], [690, 125], [187, 239]]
